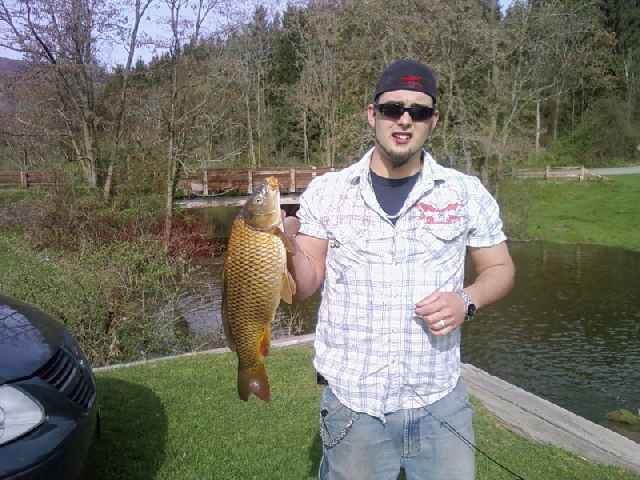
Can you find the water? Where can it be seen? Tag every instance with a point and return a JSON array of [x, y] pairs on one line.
[[568, 332]]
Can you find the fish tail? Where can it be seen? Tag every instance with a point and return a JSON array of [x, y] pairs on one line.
[[254, 380]]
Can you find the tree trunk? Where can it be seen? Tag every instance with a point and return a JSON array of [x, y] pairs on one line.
[[538, 125], [556, 116], [172, 158], [306, 138], [89, 152], [252, 152]]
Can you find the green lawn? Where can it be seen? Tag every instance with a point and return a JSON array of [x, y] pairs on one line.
[[182, 420], [600, 212]]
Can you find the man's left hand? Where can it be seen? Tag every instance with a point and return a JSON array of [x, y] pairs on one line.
[[442, 312]]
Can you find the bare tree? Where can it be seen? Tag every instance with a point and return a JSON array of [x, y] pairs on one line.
[[139, 9], [184, 107], [61, 37]]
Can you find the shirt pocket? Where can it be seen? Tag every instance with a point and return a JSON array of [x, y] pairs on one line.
[[352, 254], [448, 232]]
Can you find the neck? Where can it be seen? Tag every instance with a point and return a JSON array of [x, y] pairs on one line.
[[382, 165]]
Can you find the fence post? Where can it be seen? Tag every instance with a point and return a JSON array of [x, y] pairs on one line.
[[205, 182], [250, 179], [582, 173], [24, 180], [313, 171], [547, 172], [292, 180]]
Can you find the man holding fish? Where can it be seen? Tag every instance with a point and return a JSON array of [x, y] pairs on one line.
[[386, 238]]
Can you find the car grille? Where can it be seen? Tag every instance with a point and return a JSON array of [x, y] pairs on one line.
[[69, 376]]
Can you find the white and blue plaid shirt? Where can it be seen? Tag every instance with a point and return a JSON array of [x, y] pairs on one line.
[[376, 355]]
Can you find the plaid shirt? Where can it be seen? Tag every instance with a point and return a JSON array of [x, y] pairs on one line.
[[376, 355]]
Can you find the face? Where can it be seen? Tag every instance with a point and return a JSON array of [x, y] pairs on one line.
[[399, 141], [262, 209]]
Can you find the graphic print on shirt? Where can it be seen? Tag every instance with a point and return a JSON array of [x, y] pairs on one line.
[[443, 207]]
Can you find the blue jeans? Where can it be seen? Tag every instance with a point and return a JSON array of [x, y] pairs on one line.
[[357, 446]]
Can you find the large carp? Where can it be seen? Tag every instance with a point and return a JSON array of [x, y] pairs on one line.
[[255, 278]]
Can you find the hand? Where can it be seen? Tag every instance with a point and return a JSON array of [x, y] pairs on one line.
[[291, 224], [442, 312], [290, 228]]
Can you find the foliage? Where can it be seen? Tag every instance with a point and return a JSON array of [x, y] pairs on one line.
[[196, 427], [289, 86], [108, 296], [101, 268]]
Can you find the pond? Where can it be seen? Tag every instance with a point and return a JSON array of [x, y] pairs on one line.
[[569, 332]]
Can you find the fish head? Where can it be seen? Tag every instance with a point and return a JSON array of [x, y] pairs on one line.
[[262, 209]]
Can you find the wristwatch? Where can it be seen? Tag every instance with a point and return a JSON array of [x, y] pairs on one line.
[[469, 306]]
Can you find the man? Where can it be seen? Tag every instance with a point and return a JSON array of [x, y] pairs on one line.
[[387, 239]]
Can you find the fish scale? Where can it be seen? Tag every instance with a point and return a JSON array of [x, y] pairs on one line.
[[253, 276]]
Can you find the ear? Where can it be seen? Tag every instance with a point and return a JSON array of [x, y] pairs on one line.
[[371, 115], [434, 119]]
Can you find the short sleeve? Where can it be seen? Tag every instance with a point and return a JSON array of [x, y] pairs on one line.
[[312, 201], [485, 227]]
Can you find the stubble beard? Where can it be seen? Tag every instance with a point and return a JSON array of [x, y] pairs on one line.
[[397, 159]]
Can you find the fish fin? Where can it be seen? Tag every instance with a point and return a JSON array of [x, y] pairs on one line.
[[265, 341], [254, 380], [288, 288]]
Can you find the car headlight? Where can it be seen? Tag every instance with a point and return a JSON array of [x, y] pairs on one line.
[[19, 414]]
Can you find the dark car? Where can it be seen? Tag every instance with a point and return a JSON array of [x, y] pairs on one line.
[[48, 413]]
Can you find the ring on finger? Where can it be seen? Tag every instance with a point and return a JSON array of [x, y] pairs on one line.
[[441, 324]]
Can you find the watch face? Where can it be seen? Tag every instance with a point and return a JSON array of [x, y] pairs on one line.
[[471, 310]]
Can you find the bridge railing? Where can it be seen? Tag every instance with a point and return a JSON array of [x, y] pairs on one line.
[[26, 179], [242, 181]]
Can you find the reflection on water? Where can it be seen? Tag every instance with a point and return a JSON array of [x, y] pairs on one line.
[[569, 332]]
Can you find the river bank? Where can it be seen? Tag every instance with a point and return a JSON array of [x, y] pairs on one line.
[[602, 212], [102, 270]]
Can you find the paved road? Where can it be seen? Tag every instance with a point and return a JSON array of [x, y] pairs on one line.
[[617, 171]]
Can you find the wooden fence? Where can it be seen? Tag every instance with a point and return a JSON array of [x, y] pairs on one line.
[[26, 179], [561, 173], [242, 181]]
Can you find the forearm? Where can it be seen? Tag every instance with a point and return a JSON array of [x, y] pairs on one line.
[[492, 283], [307, 270]]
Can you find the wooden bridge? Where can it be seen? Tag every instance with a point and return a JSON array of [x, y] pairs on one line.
[[26, 179], [229, 187]]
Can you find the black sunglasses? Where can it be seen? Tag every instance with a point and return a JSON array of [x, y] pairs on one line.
[[394, 111]]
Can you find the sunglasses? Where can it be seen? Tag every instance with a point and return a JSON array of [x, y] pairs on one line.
[[418, 113]]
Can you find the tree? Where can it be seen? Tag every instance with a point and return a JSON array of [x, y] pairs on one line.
[[139, 9], [60, 38]]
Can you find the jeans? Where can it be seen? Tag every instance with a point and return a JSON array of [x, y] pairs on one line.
[[357, 446]]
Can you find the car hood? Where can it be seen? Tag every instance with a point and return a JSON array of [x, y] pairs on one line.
[[28, 338]]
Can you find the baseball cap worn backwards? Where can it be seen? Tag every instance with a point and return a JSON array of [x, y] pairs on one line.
[[407, 75]]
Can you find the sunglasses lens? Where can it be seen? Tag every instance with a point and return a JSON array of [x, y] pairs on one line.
[[420, 114], [391, 110], [395, 110]]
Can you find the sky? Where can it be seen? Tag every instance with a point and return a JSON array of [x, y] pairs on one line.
[[155, 26]]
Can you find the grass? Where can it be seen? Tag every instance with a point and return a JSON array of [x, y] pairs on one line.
[[598, 212], [181, 419]]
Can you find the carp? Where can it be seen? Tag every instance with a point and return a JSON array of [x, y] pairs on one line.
[[255, 279]]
